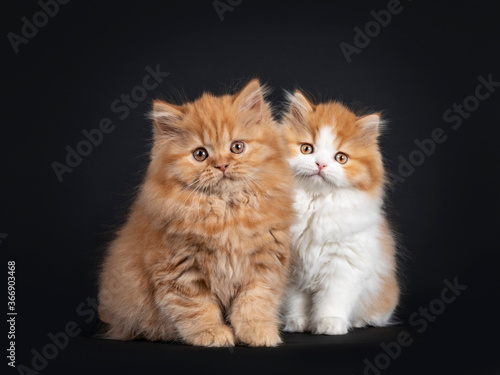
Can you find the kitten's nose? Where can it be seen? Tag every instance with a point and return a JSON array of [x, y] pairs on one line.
[[321, 165], [222, 167]]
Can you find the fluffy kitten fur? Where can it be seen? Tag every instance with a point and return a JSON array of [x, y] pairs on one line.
[[204, 254], [343, 252]]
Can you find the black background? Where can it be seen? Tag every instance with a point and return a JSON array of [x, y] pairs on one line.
[[65, 78]]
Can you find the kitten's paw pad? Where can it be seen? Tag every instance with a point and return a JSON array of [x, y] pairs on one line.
[[259, 334], [330, 326], [295, 325], [215, 336]]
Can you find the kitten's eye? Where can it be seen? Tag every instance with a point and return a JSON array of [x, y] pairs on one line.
[[237, 147], [341, 158], [200, 154], [306, 148]]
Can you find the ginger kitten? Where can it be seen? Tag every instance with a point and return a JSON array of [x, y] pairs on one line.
[[343, 252], [204, 254]]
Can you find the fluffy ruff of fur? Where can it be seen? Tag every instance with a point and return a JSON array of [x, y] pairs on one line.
[[343, 252], [204, 255]]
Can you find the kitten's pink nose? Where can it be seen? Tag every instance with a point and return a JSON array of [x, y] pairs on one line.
[[222, 167], [321, 165]]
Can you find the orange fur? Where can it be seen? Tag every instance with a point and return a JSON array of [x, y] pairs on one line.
[[202, 258], [388, 295]]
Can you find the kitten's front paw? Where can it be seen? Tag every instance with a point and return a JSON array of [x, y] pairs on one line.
[[259, 334], [214, 336], [295, 325], [359, 324], [330, 326]]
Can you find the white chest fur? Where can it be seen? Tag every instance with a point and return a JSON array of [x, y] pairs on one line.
[[335, 230]]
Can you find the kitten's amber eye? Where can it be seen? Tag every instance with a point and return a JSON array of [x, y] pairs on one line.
[[237, 147], [306, 148], [200, 154], [341, 158]]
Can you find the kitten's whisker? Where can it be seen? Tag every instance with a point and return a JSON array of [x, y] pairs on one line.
[[300, 173], [194, 182], [183, 189], [257, 181], [193, 191], [251, 190], [200, 195], [247, 180]]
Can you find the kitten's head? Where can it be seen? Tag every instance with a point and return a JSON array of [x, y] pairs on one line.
[[330, 147], [218, 144]]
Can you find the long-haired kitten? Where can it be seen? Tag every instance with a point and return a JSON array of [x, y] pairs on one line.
[[343, 252], [204, 254]]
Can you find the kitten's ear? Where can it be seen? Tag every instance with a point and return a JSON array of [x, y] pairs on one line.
[[299, 106], [370, 125], [251, 97], [166, 118]]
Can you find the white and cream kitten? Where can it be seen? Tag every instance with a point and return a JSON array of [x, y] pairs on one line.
[[343, 252]]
